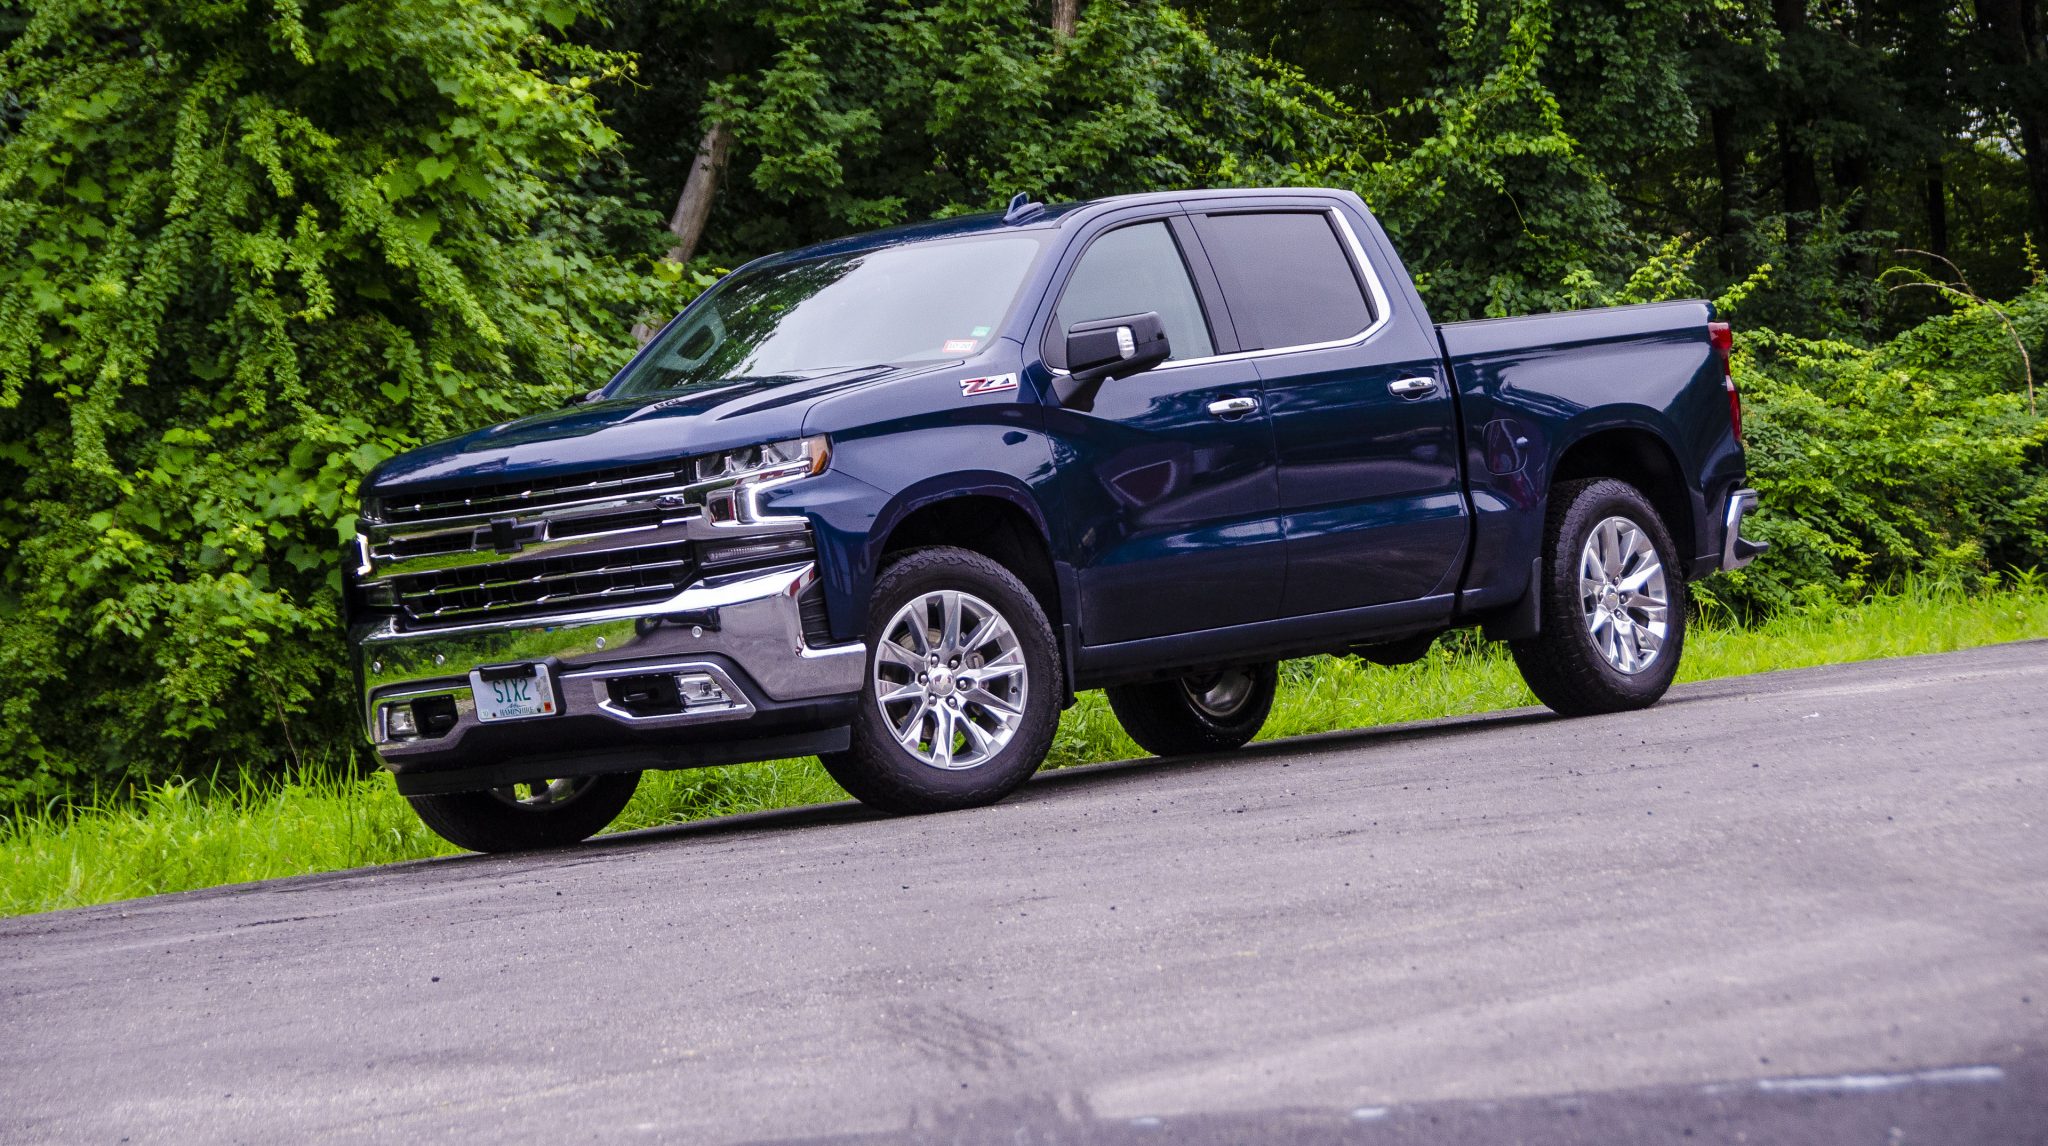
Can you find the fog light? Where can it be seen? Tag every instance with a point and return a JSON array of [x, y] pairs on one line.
[[697, 689], [398, 722]]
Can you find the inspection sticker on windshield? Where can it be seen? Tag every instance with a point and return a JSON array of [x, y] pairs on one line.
[[975, 387], [960, 346]]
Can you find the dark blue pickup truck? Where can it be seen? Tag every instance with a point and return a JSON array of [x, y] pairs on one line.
[[893, 500]]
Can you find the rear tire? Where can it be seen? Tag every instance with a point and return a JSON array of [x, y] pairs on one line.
[[1205, 712], [963, 687], [523, 817], [1613, 604]]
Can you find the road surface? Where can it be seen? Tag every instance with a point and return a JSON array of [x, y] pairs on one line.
[[1810, 906]]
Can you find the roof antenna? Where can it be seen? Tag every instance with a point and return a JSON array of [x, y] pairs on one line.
[[1022, 208]]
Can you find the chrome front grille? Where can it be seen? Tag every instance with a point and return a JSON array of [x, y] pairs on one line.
[[538, 586], [619, 483], [476, 539], [626, 536]]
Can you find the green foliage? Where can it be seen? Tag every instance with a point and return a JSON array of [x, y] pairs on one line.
[[1918, 456], [854, 115], [1499, 209], [250, 250]]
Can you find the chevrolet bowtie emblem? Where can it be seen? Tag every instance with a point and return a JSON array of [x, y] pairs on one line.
[[508, 536]]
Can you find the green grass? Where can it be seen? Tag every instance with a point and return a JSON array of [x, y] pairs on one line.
[[180, 835]]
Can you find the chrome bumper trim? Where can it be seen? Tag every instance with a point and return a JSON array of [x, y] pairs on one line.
[[1737, 552], [750, 621], [595, 686]]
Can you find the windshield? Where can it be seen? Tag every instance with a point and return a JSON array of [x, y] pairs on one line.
[[917, 302]]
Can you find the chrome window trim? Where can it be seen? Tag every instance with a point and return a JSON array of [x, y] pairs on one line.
[[1382, 307]]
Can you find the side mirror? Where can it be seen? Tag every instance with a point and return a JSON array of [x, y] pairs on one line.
[[1105, 348]]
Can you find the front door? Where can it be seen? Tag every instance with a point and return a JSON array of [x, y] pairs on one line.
[[1171, 492]]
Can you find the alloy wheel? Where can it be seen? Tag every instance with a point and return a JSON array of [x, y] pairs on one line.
[[1623, 593], [1220, 694], [950, 679]]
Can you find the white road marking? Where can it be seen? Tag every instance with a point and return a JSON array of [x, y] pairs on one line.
[[1917, 683], [1858, 1082]]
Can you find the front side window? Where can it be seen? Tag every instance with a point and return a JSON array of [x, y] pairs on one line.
[[1286, 276], [1129, 271], [919, 302]]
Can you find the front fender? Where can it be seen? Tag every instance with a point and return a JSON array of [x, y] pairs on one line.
[[876, 481]]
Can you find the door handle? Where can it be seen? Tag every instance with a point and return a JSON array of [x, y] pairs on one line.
[[1233, 407], [1412, 388]]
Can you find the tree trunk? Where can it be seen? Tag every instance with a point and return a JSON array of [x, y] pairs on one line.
[[1065, 15], [2011, 32], [1728, 170], [1852, 178], [693, 206], [1935, 192], [1799, 181]]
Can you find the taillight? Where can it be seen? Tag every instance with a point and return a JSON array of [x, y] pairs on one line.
[[1723, 337]]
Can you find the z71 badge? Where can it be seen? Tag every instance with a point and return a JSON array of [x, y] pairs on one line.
[[974, 387]]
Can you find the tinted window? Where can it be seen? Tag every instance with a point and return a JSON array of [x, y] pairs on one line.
[[1286, 276], [917, 302], [1130, 271]]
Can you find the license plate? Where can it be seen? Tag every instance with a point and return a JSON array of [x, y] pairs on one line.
[[514, 692]]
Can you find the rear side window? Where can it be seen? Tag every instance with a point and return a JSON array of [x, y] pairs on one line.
[[1129, 271], [1286, 277]]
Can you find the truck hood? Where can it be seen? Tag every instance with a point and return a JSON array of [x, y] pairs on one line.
[[624, 431]]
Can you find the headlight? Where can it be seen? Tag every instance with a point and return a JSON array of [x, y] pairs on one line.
[[733, 481]]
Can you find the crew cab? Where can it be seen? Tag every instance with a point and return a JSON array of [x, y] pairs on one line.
[[893, 500]]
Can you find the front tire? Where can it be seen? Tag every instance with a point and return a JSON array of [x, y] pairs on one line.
[[1613, 604], [963, 687], [525, 816], [1206, 712]]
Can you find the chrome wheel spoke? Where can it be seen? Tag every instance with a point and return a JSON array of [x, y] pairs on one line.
[[902, 692], [995, 705], [978, 738], [950, 679], [890, 653], [942, 737], [949, 623], [1648, 641], [983, 633], [1624, 594], [911, 731], [1008, 665]]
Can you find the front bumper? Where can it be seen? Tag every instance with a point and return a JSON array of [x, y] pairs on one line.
[[771, 693]]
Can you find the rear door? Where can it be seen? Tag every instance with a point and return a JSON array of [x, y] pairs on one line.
[[1170, 487], [1363, 419]]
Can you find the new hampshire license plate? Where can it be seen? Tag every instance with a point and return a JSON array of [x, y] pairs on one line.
[[512, 692]]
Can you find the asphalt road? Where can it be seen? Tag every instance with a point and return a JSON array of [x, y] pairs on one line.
[[1810, 906]]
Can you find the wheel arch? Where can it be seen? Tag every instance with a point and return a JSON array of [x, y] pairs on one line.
[[1644, 459], [1003, 525]]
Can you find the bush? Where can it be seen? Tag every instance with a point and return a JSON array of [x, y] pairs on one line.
[[243, 257], [1917, 457]]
